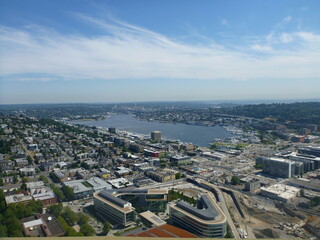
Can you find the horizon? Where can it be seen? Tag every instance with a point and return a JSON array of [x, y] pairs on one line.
[[239, 102], [139, 51]]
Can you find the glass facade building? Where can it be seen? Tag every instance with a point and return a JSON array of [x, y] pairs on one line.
[[119, 206], [207, 221]]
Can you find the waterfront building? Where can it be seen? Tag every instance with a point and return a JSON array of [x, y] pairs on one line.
[[156, 136], [206, 220]]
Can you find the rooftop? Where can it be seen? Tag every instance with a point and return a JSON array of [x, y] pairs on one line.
[[166, 230], [154, 219]]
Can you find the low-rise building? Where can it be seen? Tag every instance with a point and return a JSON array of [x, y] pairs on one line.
[[120, 183], [18, 198], [280, 192], [98, 184], [252, 185], [45, 225], [80, 190], [164, 175], [180, 160], [27, 171]]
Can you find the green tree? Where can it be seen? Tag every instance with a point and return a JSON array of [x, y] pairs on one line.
[[258, 166], [23, 186], [30, 160], [15, 178], [3, 231], [178, 175], [44, 179], [70, 216], [68, 193], [87, 230], [24, 179], [57, 192], [235, 180], [82, 218], [56, 210], [106, 227]]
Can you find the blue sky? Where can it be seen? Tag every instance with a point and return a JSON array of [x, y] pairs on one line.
[[169, 50]]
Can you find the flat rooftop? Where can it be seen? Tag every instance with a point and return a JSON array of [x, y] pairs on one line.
[[152, 218], [283, 191], [77, 186], [166, 230]]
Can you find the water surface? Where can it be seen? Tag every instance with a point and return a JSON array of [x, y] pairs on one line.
[[198, 135]]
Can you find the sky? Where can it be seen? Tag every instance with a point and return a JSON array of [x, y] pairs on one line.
[[85, 51]]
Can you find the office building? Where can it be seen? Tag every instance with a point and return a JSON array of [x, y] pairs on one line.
[[156, 136], [149, 219], [280, 167], [118, 206], [309, 162], [206, 220], [180, 160], [311, 150]]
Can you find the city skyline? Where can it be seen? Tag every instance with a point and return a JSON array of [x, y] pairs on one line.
[[123, 51]]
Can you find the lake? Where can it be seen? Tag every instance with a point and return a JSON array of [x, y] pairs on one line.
[[198, 135]]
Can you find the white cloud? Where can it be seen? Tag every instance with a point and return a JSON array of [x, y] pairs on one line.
[[127, 51], [224, 22], [286, 37], [287, 19], [262, 48]]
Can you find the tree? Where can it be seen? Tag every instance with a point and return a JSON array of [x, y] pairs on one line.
[[106, 227], [56, 210], [87, 230], [70, 216], [258, 166], [3, 231], [44, 179], [23, 186], [82, 218], [68, 193], [15, 178], [57, 192], [24, 179], [301, 192], [235, 180], [30, 160], [178, 175]]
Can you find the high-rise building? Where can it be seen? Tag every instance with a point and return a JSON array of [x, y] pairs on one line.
[[156, 136]]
